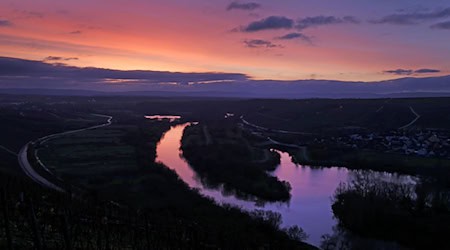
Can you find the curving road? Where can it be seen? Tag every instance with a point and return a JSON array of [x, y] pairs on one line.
[[413, 121], [271, 130], [30, 172], [28, 169]]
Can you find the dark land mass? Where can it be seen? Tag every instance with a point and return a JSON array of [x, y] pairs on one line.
[[222, 155], [151, 205], [117, 163]]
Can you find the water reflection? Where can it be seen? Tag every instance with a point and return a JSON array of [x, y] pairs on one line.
[[312, 188]]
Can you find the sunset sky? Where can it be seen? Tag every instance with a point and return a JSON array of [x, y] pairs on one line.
[[362, 40]]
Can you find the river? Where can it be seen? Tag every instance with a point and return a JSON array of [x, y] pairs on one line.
[[312, 188]]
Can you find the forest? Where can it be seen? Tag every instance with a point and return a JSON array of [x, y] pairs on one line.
[[415, 214]]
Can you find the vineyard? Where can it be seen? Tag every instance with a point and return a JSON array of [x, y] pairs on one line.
[[33, 217], [37, 218]]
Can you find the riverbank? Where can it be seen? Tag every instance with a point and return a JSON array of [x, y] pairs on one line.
[[372, 160]]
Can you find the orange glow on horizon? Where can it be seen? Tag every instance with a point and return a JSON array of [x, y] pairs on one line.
[[133, 40]]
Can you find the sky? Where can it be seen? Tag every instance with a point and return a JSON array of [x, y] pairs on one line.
[[344, 40]]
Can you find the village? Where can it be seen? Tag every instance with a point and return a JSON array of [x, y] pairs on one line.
[[425, 143]]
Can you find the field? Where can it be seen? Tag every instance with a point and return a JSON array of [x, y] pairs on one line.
[[78, 157], [334, 116]]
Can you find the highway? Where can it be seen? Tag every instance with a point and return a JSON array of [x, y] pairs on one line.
[[28, 169]]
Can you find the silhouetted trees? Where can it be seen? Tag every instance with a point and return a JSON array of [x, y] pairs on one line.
[[416, 216], [33, 217]]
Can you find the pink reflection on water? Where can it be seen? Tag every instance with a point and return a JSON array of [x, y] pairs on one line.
[[312, 188], [310, 204], [168, 153]]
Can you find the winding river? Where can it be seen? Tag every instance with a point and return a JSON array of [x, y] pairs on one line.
[[312, 188]]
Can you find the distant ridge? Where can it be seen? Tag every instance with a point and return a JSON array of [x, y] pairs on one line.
[[79, 92], [26, 77]]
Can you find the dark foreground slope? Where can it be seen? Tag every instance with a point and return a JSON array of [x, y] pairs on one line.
[[36, 218]]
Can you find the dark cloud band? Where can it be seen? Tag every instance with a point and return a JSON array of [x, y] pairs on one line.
[[427, 71], [243, 6], [295, 35], [36, 75], [269, 23], [58, 58], [258, 43], [5, 23], [281, 22], [441, 26], [411, 72], [316, 21], [413, 18], [36, 70]]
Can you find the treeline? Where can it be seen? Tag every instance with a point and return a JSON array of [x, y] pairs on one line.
[[414, 215], [230, 160]]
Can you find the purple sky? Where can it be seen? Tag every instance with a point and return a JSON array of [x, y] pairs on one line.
[[261, 39]]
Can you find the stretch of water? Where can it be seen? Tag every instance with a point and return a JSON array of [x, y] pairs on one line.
[[312, 188]]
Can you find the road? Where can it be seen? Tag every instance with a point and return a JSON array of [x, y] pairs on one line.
[[28, 169], [272, 141], [48, 137], [272, 130], [302, 149], [413, 121], [8, 150], [30, 172], [283, 144], [207, 135]]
